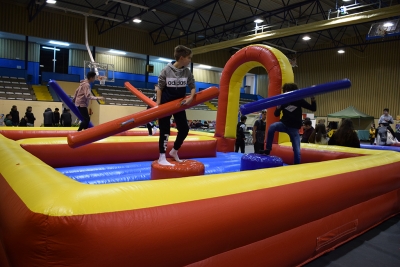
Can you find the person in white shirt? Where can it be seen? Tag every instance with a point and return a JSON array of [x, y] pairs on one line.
[[386, 119]]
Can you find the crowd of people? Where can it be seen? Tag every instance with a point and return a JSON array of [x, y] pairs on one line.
[[50, 118], [13, 119], [292, 121]]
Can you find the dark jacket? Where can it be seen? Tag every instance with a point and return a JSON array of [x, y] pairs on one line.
[[260, 133], [22, 122], [56, 117], [48, 117], [292, 113], [66, 119], [240, 129], [15, 116], [31, 118], [306, 135]]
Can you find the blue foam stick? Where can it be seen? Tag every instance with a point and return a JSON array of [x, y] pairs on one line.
[[67, 100], [392, 148], [293, 96]]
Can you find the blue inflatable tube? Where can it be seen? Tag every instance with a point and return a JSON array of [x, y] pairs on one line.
[[67, 100], [392, 148], [140, 171], [294, 95]]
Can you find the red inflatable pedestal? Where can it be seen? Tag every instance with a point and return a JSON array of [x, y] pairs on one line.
[[180, 169]]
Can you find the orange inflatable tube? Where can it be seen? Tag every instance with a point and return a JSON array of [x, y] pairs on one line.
[[140, 95], [125, 123]]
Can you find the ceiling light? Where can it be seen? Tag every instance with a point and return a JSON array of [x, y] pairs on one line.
[[50, 48], [347, 0], [116, 52], [341, 51], [306, 38], [204, 66], [388, 24], [258, 20], [51, 1], [137, 20], [59, 43], [165, 59]]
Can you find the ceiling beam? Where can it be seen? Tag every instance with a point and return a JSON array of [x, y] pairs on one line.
[[233, 24], [353, 19]]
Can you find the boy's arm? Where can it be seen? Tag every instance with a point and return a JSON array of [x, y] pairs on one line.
[[192, 87], [159, 93], [88, 94], [162, 82], [277, 111], [190, 99], [312, 106]]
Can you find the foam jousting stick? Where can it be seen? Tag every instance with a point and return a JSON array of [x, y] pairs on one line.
[[294, 95], [140, 95], [140, 118]]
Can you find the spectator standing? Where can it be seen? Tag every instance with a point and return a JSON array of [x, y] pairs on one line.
[[386, 119], [15, 115], [372, 134], [56, 117], [66, 118], [30, 117], [259, 132], [240, 137], [48, 117]]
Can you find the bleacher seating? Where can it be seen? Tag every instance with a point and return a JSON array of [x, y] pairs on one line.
[[13, 88], [241, 101], [116, 95]]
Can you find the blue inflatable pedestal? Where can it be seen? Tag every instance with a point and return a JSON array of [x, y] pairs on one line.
[[254, 161]]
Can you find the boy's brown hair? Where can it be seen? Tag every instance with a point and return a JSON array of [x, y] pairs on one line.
[[288, 87], [182, 51]]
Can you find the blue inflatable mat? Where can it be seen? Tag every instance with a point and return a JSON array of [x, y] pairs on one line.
[[140, 171]]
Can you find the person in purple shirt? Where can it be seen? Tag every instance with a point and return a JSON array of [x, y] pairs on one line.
[[82, 98]]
